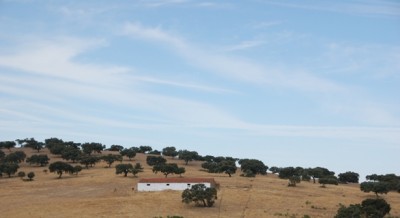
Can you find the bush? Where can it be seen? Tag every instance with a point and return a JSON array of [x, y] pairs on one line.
[[374, 208], [21, 174], [31, 175]]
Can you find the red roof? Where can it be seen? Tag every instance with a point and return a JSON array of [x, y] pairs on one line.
[[178, 180]]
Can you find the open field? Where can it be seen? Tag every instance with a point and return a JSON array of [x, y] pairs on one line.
[[99, 192]]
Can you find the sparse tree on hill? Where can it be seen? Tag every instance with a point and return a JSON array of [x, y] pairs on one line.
[[60, 167], [118, 148], [123, 169], [369, 208], [187, 155], [166, 169], [375, 208], [137, 169], [111, 158], [15, 157], [252, 167], [200, 195], [41, 159], [376, 187], [8, 168], [88, 160], [319, 172], [328, 180], [227, 167], [274, 170], [31, 143], [49, 143], [180, 171], [130, 153], [392, 180], [169, 151], [31, 175], [155, 160], [70, 153], [89, 148], [21, 174], [292, 174], [77, 169], [144, 149], [348, 177], [7, 144], [57, 149]]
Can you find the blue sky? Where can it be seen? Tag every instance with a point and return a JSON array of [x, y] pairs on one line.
[[306, 84]]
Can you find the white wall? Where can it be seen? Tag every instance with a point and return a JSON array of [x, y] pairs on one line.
[[166, 186]]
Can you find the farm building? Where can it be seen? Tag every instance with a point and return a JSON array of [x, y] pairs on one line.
[[160, 184]]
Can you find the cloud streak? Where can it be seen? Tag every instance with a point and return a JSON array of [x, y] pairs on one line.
[[228, 66], [363, 7]]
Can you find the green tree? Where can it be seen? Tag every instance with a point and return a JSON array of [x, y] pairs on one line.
[[348, 177], [7, 144], [15, 157], [376, 187], [136, 169], [180, 171], [319, 172], [31, 143], [77, 169], [200, 195], [111, 158], [57, 149], [144, 149], [155, 160], [274, 170], [31, 175], [21, 174], [89, 148], [8, 168], [118, 148], [166, 169], [41, 159], [328, 180], [227, 167], [352, 211], [254, 166], [123, 169], [70, 153], [60, 167], [292, 174], [49, 143], [369, 208], [130, 153], [187, 155], [88, 160], [392, 180], [376, 208], [170, 151]]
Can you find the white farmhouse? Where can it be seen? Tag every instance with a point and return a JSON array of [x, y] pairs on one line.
[[160, 184]]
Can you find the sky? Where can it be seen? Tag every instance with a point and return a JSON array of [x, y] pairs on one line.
[[310, 83]]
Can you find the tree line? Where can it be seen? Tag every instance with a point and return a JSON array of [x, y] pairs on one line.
[[89, 153]]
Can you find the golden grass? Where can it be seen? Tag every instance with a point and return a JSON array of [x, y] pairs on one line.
[[99, 192]]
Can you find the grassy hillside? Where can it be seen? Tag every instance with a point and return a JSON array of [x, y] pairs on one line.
[[99, 192]]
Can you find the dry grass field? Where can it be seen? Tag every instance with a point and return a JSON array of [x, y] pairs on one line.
[[99, 192]]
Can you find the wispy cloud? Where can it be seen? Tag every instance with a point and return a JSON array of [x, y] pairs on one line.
[[245, 45], [230, 67], [159, 3], [266, 24], [361, 7]]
